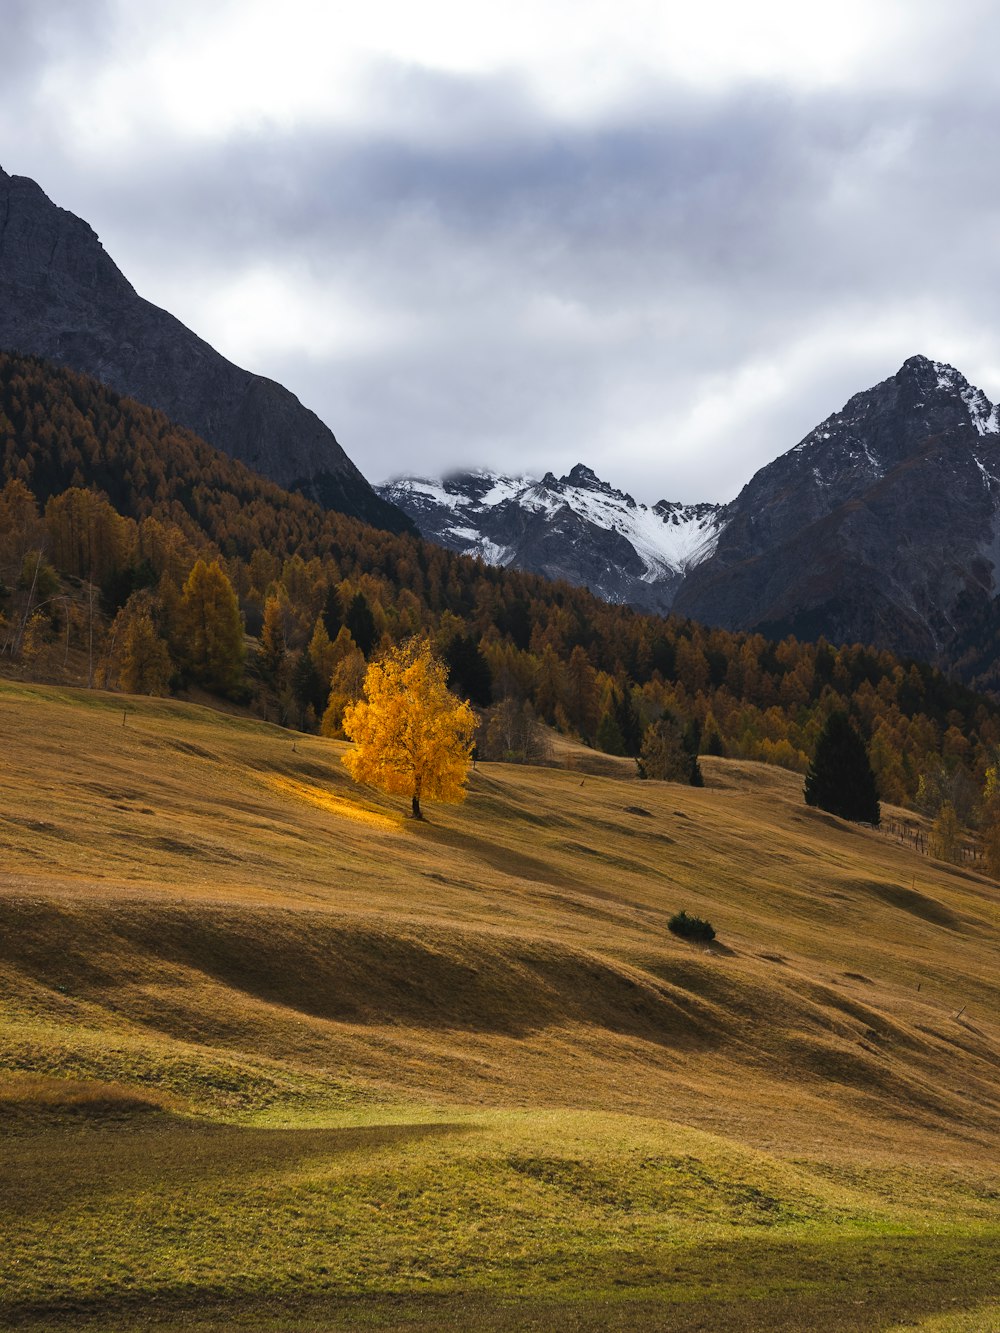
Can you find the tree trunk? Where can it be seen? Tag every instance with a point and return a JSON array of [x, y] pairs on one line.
[[416, 807]]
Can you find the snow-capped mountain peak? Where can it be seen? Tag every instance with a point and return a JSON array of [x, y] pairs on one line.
[[577, 527]]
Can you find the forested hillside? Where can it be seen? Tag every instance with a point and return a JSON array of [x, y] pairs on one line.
[[133, 555]]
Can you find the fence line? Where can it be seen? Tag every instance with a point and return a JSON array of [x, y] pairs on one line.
[[907, 835]]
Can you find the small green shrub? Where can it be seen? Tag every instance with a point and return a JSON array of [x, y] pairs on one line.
[[691, 927]]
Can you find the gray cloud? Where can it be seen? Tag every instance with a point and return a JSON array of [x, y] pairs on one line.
[[40, 37], [673, 294]]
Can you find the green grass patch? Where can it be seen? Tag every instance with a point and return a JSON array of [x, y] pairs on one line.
[[520, 1206]]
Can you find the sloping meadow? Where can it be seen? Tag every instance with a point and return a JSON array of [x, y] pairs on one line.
[[274, 1056]]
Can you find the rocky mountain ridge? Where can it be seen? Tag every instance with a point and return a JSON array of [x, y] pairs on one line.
[[63, 298], [575, 527], [881, 526]]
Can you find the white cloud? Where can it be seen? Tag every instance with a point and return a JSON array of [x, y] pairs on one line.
[[662, 239], [181, 69], [265, 311]]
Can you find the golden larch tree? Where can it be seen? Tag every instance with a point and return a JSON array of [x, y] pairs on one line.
[[945, 841], [347, 681], [412, 736], [273, 648], [143, 659], [990, 822], [210, 629]]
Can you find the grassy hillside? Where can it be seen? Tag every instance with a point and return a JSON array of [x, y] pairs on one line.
[[273, 1056]]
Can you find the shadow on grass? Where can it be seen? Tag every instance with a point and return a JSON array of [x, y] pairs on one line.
[[355, 971], [52, 1170]]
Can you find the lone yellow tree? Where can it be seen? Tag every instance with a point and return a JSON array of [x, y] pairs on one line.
[[412, 736]]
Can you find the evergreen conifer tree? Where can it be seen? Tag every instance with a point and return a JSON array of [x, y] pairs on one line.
[[360, 621], [840, 777], [308, 686], [469, 672], [609, 735], [629, 723], [333, 613]]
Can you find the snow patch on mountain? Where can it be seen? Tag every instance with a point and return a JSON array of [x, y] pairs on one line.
[[576, 526], [982, 413], [989, 478]]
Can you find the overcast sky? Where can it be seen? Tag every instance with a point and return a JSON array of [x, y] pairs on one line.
[[662, 239]]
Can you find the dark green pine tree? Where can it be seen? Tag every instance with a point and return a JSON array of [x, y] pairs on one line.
[[840, 778], [469, 672], [628, 720], [333, 614], [307, 687], [609, 734], [360, 621]]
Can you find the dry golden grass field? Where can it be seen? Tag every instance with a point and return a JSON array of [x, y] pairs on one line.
[[274, 1057]]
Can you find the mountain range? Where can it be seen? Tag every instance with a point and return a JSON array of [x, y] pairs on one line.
[[63, 298], [881, 526], [575, 527]]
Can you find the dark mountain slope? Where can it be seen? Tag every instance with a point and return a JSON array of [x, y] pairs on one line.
[[63, 298], [882, 526]]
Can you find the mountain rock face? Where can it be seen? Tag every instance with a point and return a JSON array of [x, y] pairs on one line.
[[576, 528], [62, 298], [882, 526]]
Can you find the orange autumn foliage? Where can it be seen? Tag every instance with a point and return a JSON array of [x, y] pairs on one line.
[[412, 736]]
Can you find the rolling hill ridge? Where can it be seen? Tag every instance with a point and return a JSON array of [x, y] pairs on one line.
[[132, 501]]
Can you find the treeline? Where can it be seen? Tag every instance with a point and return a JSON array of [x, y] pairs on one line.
[[129, 545]]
